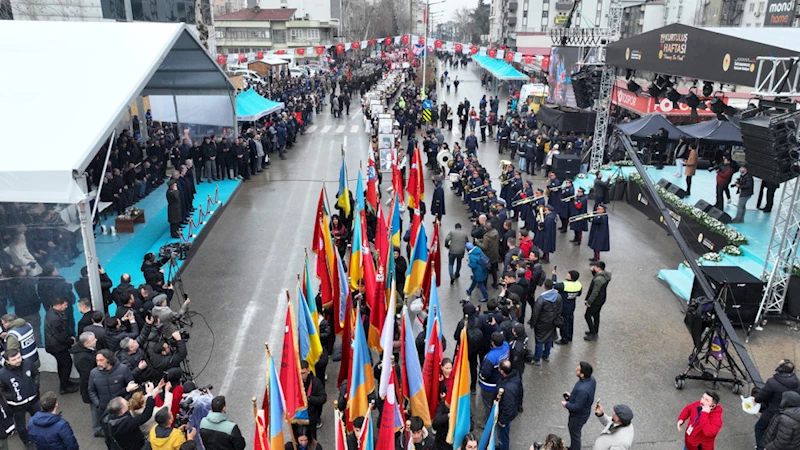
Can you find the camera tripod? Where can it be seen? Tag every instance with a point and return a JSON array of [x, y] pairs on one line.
[[185, 321]]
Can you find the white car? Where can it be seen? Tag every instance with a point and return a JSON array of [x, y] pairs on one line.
[[296, 72]]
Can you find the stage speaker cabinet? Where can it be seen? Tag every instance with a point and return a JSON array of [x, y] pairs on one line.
[[703, 205], [740, 291], [767, 148], [718, 214], [671, 188], [566, 166]]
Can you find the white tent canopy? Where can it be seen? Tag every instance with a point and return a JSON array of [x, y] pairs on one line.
[[81, 103]]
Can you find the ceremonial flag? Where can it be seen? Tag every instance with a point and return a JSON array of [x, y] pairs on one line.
[[387, 341], [432, 366], [413, 386], [360, 194], [416, 219], [381, 237], [488, 436], [316, 241], [434, 261], [347, 343], [459, 397], [391, 420], [372, 181], [362, 382], [377, 312], [435, 313], [366, 440], [307, 333], [397, 179], [343, 195], [356, 269], [419, 259], [290, 379], [396, 221], [261, 439], [326, 268], [310, 296], [277, 404], [413, 184], [340, 433], [340, 303]]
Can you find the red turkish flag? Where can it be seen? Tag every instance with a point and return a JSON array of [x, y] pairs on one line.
[[404, 39], [372, 42], [320, 50], [546, 63], [509, 57], [355, 45], [260, 55], [459, 48], [339, 49], [221, 60], [492, 53], [242, 57], [300, 51], [528, 59], [437, 43], [473, 49], [422, 40], [387, 41], [280, 52]]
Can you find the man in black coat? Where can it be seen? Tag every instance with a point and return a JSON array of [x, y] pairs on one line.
[[316, 397], [83, 356], [784, 431], [771, 394], [59, 337], [437, 204], [509, 403], [174, 209], [123, 289], [121, 428]]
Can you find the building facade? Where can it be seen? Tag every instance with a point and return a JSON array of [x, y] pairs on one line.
[[256, 29]]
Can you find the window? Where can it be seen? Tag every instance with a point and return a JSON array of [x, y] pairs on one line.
[[598, 19], [219, 34], [279, 36], [545, 14], [297, 34], [525, 6], [545, 6], [544, 22], [313, 34], [599, 6], [761, 6], [525, 14], [748, 25], [680, 11], [752, 6], [525, 22]]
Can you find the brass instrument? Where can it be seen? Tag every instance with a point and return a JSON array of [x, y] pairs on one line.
[[540, 212], [504, 163], [477, 199], [523, 201], [555, 188], [505, 182], [586, 216], [569, 199]]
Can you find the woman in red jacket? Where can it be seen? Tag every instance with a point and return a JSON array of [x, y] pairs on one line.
[[703, 421]]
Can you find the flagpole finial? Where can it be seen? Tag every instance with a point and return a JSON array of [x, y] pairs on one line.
[[336, 404], [266, 345]]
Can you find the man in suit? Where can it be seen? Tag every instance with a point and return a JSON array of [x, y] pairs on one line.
[[174, 215], [437, 204]]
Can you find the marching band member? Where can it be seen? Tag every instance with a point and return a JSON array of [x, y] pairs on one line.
[[578, 206], [525, 212], [599, 240], [545, 238], [554, 193], [565, 210], [511, 188]]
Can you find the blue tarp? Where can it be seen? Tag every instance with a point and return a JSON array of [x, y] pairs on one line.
[[500, 69], [250, 106], [714, 130]]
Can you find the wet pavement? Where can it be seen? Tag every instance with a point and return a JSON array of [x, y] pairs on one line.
[[255, 250]]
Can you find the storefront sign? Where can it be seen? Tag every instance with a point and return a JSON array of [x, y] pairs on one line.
[[643, 104], [780, 13]]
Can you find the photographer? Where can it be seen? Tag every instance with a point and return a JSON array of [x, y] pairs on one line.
[[162, 358], [164, 437], [724, 175], [166, 316], [132, 354], [122, 428]]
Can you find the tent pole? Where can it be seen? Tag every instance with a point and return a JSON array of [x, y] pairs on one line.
[[143, 131], [235, 119], [89, 249], [102, 178], [179, 131]]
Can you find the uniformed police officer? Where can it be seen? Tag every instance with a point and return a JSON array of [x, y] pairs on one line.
[[570, 289]]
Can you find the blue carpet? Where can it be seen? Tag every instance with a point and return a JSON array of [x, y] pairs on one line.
[[125, 252]]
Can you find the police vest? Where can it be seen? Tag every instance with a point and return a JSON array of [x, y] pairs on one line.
[[572, 289], [27, 343]]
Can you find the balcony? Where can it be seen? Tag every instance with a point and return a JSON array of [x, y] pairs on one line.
[[512, 21], [563, 5], [512, 6]]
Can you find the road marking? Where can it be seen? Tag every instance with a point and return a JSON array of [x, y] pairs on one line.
[[242, 335], [325, 129], [354, 128], [340, 129], [355, 115], [345, 141], [311, 129]]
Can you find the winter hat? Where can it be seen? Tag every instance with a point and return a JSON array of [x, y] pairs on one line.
[[470, 246], [624, 413], [468, 309]]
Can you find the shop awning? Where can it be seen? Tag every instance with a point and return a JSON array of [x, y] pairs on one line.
[[714, 130], [250, 106], [650, 124], [500, 69]]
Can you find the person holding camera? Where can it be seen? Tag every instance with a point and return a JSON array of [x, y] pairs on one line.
[[163, 357], [166, 316], [121, 428], [744, 187], [724, 175], [164, 437], [579, 402], [617, 431]]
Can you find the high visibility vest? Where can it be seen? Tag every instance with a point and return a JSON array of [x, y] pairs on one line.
[[572, 289], [27, 342]]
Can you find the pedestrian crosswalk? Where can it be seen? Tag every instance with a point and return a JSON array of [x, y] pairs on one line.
[[335, 129]]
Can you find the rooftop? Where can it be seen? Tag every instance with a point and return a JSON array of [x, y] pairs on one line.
[[259, 14]]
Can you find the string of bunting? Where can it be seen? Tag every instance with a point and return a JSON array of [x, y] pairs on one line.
[[400, 41]]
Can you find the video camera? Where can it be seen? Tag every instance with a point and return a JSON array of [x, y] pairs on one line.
[[175, 250], [187, 407]]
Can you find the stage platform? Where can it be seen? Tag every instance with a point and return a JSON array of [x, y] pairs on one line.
[[125, 252], [757, 226]]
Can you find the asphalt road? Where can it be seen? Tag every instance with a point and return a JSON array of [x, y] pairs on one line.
[[256, 249]]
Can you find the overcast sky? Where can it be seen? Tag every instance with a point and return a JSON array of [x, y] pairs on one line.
[[451, 6]]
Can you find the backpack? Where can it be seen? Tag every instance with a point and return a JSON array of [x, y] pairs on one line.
[[485, 263]]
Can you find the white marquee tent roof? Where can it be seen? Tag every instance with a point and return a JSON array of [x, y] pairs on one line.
[[55, 118]]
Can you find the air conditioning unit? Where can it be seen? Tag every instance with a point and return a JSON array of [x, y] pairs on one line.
[[756, 14]]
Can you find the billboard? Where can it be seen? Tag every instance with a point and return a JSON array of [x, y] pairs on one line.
[[780, 13], [564, 61]]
